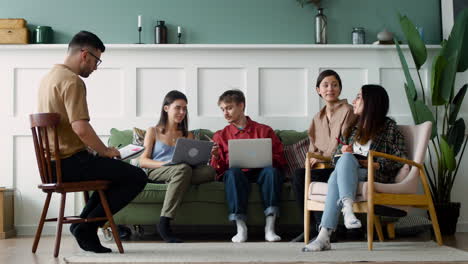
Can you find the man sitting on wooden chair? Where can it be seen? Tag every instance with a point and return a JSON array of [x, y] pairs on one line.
[[62, 91]]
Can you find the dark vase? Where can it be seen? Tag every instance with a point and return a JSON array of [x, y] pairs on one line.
[[447, 216]]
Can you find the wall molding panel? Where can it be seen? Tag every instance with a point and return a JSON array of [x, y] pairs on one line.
[[128, 88]]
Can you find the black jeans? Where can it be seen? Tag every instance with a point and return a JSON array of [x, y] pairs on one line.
[[298, 180], [127, 181]]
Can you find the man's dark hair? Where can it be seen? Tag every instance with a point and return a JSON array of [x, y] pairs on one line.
[[229, 96], [85, 39]]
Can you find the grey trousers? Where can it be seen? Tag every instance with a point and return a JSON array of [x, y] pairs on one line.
[[179, 178]]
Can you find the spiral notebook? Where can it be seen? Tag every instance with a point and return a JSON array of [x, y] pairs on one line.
[[130, 151]]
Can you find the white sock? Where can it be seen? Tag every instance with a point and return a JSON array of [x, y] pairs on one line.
[[241, 235], [350, 219], [270, 234], [322, 242]]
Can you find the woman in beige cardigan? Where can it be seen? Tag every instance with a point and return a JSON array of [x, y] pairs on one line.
[[328, 124]]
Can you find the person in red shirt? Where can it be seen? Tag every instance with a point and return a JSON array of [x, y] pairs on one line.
[[237, 180]]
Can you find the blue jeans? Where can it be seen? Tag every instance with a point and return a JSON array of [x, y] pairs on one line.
[[342, 184], [237, 188]]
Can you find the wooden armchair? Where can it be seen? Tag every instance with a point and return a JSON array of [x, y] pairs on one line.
[[41, 125], [401, 193]]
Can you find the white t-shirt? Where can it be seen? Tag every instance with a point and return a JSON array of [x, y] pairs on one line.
[[362, 149]]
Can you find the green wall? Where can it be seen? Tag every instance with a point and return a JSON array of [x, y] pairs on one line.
[[224, 21]]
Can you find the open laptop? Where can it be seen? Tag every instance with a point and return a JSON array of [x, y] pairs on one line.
[[250, 153], [192, 152]]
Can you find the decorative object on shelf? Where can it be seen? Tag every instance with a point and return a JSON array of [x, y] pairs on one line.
[[448, 138], [139, 30], [160, 33], [13, 31], [43, 35], [320, 21], [358, 35], [320, 27], [179, 34], [384, 35]]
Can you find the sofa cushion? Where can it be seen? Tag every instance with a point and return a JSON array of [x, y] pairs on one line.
[[138, 136], [295, 155], [119, 138], [289, 137], [211, 192]]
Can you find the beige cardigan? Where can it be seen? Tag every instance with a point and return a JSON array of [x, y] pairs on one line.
[[323, 132]]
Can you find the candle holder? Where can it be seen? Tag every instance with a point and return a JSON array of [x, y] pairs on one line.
[[139, 35], [179, 35]]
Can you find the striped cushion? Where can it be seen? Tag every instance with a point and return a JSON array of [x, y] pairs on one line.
[[295, 156]]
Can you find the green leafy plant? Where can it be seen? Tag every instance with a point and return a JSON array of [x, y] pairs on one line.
[[305, 2], [448, 139]]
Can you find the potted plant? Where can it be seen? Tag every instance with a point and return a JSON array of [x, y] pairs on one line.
[[448, 140]]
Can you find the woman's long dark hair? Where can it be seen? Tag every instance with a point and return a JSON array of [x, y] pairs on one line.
[[168, 100], [374, 115]]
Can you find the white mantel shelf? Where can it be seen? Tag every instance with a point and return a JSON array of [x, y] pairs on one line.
[[127, 89], [218, 46]]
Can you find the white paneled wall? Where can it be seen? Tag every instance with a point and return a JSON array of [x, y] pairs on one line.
[[129, 86]]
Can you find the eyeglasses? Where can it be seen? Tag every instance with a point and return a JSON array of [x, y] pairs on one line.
[[98, 60]]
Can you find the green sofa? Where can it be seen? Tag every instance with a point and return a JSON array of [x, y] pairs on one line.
[[204, 205]]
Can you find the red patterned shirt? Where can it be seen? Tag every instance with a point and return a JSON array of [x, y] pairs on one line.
[[251, 130]]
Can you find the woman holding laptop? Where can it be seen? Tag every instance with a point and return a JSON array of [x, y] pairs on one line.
[[159, 145], [374, 131]]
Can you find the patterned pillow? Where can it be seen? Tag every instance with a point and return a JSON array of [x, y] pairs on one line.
[[138, 136], [138, 139], [295, 155]]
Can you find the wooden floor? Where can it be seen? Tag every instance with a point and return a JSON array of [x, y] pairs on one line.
[[18, 250]]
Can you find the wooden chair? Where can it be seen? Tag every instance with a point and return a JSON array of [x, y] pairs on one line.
[[401, 193], [41, 125]]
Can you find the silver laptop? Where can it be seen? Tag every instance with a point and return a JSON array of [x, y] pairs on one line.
[[192, 152], [250, 153]]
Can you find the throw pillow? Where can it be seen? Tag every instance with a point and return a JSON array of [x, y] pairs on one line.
[[119, 138], [295, 155], [200, 134], [138, 136]]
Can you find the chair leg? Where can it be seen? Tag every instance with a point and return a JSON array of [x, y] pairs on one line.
[[110, 219], [370, 226], [58, 236], [430, 205], [391, 230], [378, 228], [86, 196], [306, 226], [41, 222], [435, 223]]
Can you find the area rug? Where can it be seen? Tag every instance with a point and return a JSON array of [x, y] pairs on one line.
[[283, 252]]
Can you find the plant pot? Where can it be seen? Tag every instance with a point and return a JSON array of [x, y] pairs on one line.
[[447, 215]]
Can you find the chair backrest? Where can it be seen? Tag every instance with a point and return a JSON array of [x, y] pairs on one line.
[[43, 124], [416, 140]]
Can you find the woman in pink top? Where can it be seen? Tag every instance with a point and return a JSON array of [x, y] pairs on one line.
[[328, 125]]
